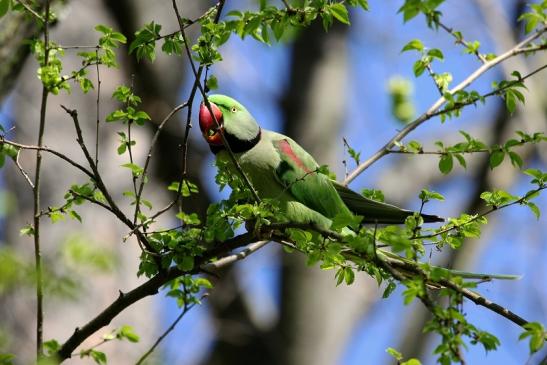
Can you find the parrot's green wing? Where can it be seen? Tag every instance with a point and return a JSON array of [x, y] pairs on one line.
[[298, 173], [374, 211]]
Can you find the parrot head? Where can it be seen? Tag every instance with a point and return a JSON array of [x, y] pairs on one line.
[[231, 119]]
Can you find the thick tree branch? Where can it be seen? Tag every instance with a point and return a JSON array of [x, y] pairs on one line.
[[150, 287]]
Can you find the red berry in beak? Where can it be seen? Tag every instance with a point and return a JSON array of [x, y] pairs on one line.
[[207, 124]]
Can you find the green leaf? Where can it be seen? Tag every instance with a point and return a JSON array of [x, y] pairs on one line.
[[414, 288], [4, 7], [396, 354], [127, 332], [103, 29], [212, 83], [186, 263], [27, 231], [52, 346], [373, 194], [537, 335], [419, 67], [349, 276], [342, 220], [510, 100], [436, 53], [496, 158], [412, 361], [98, 356], [410, 9], [116, 115], [535, 173], [414, 146], [460, 159], [363, 4], [300, 236], [339, 276], [9, 150], [173, 45], [446, 163], [535, 209], [340, 12], [426, 195], [414, 44], [389, 289], [145, 41], [516, 160], [56, 216], [488, 341], [135, 169]]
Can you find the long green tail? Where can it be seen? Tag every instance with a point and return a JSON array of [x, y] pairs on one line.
[[377, 212], [463, 274]]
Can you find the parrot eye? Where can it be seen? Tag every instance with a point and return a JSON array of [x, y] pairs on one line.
[[234, 109]]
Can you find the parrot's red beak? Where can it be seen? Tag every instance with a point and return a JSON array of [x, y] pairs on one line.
[[210, 128]]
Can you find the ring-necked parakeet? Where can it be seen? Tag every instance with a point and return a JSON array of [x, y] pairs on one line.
[[280, 169]]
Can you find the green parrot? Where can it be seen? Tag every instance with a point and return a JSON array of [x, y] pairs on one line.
[[278, 168]]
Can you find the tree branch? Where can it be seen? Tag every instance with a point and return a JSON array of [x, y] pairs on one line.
[[517, 49], [163, 335], [476, 298], [150, 287], [36, 200], [49, 150], [478, 216], [100, 184]]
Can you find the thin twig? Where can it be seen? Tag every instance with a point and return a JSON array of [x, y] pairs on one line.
[[197, 74], [405, 151], [163, 335], [78, 47], [225, 261], [32, 11], [100, 184], [476, 298], [97, 110], [36, 200], [147, 163], [49, 150], [189, 102], [460, 40], [432, 75], [23, 172], [498, 91], [479, 216], [517, 49], [91, 200]]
